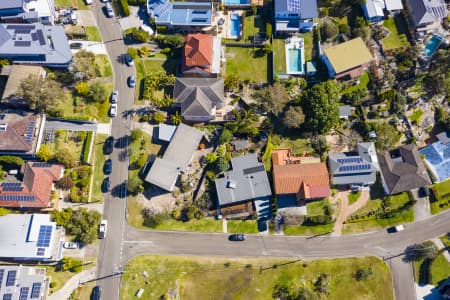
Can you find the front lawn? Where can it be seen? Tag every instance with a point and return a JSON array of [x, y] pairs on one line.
[[247, 64], [103, 66], [93, 34], [238, 226], [99, 161], [353, 197], [440, 269], [441, 195], [279, 56], [315, 208], [308, 230], [397, 36], [232, 278]]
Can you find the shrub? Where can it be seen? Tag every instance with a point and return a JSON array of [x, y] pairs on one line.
[[343, 28], [159, 117], [152, 218], [65, 183], [166, 50], [87, 146], [269, 29], [125, 8], [11, 162], [132, 52], [53, 284], [71, 264], [363, 273], [44, 153]]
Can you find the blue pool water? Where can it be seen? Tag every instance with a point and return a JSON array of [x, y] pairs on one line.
[[432, 45], [437, 156], [295, 61], [236, 2], [235, 26]]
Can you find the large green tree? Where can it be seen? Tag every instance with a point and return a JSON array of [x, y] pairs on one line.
[[84, 225], [294, 117], [320, 104]]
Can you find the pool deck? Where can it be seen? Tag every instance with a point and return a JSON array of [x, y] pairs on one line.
[[295, 43]]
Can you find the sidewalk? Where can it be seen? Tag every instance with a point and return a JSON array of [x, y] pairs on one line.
[[441, 246], [72, 284]]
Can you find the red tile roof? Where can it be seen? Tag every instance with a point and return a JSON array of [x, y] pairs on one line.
[[38, 180], [14, 137], [198, 52]]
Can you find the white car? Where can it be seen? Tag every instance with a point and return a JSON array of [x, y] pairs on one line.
[[115, 97], [113, 110], [102, 229], [88, 2], [71, 245]]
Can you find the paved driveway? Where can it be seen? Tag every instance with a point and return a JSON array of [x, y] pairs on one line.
[[95, 47], [422, 206]]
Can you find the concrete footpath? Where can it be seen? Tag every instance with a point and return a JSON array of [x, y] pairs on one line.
[[73, 283]]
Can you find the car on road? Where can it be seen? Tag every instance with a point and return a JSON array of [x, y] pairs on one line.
[[237, 237], [128, 60], [109, 145], [132, 81], [108, 167], [109, 10], [115, 97], [113, 110], [106, 185], [395, 229], [71, 245], [96, 293], [76, 45], [102, 229]]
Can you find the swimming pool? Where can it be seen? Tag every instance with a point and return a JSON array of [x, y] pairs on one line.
[[295, 64], [236, 2], [432, 45], [235, 25]]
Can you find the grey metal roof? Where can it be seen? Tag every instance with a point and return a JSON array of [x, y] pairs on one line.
[[26, 277], [164, 172], [246, 181], [403, 170], [427, 11], [354, 167], [19, 233], [345, 111], [44, 45], [197, 96], [8, 4]]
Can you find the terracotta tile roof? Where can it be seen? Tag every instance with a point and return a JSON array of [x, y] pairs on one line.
[[305, 180], [38, 180], [198, 52], [14, 138], [283, 156]]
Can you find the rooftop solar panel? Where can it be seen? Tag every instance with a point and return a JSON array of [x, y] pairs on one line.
[[2, 272], [35, 290], [40, 251], [41, 165], [7, 296], [34, 36], [11, 278], [17, 198], [20, 27], [254, 170], [41, 37], [24, 293], [294, 5], [22, 43], [45, 233]]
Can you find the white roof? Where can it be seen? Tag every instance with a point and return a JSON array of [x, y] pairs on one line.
[[393, 5], [166, 132]]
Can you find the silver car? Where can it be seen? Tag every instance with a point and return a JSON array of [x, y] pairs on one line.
[[109, 10], [115, 97]]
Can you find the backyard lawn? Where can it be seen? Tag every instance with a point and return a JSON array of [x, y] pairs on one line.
[[93, 34], [279, 56], [308, 43], [298, 146], [247, 64], [397, 36], [252, 25], [99, 161], [225, 278], [365, 225], [441, 191]]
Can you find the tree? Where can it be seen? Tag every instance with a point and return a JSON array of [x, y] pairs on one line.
[[66, 183], [71, 264], [320, 104], [98, 92], [356, 95], [231, 82], [136, 135], [84, 64], [387, 136], [363, 273], [274, 98], [84, 225], [82, 88], [329, 29], [135, 185], [361, 29], [65, 157], [10, 162], [294, 117], [222, 164], [44, 153], [140, 35], [62, 217], [176, 118], [159, 117], [144, 51], [343, 28], [211, 157], [225, 136]]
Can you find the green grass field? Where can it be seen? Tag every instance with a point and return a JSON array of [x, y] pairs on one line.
[[104, 68], [247, 64], [298, 146], [99, 161], [308, 43], [416, 116], [353, 197], [442, 190], [93, 34], [222, 278], [252, 25], [397, 37], [315, 208], [308, 230], [279, 54]]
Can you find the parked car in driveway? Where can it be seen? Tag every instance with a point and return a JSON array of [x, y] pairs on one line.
[[113, 110], [132, 81], [108, 167], [237, 237], [71, 245], [109, 145], [115, 97], [109, 10]]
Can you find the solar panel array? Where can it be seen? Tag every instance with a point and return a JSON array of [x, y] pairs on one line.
[[355, 168], [21, 27], [40, 251], [24, 293], [253, 170], [12, 186], [45, 233], [293, 5], [41, 165], [36, 290], [25, 198], [2, 272], [7, 296], [30, 131], [350, 160], [41, 37], [11, 278]]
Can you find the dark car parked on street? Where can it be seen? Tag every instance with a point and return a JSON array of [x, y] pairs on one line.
[[109, 145], [106, 185], [107, 169], [237, 237], [96, 293]]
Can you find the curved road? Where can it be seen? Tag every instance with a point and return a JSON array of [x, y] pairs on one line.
[[123, 242]]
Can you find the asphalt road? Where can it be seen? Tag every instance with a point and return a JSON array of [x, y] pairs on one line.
[[109, 261]]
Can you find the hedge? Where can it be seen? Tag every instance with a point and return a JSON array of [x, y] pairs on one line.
[[10, 162], [87, 147], [125, 8]]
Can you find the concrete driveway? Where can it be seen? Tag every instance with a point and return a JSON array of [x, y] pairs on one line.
[[95, 47], [422, 206]]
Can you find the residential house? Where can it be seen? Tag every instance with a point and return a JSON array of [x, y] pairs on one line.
[[426, 14], [164, 171], [36, 189], [402, 170], [183, 16], [240, 190], [22, 282], [374, 10], [30, 237], [347, 60], [15, 74], [28, 11], [20, 133], [354, 168], [300, 177], [437, 156], [345, 112], [201, 55], [199, 98], [35, 44], [293, 16]]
